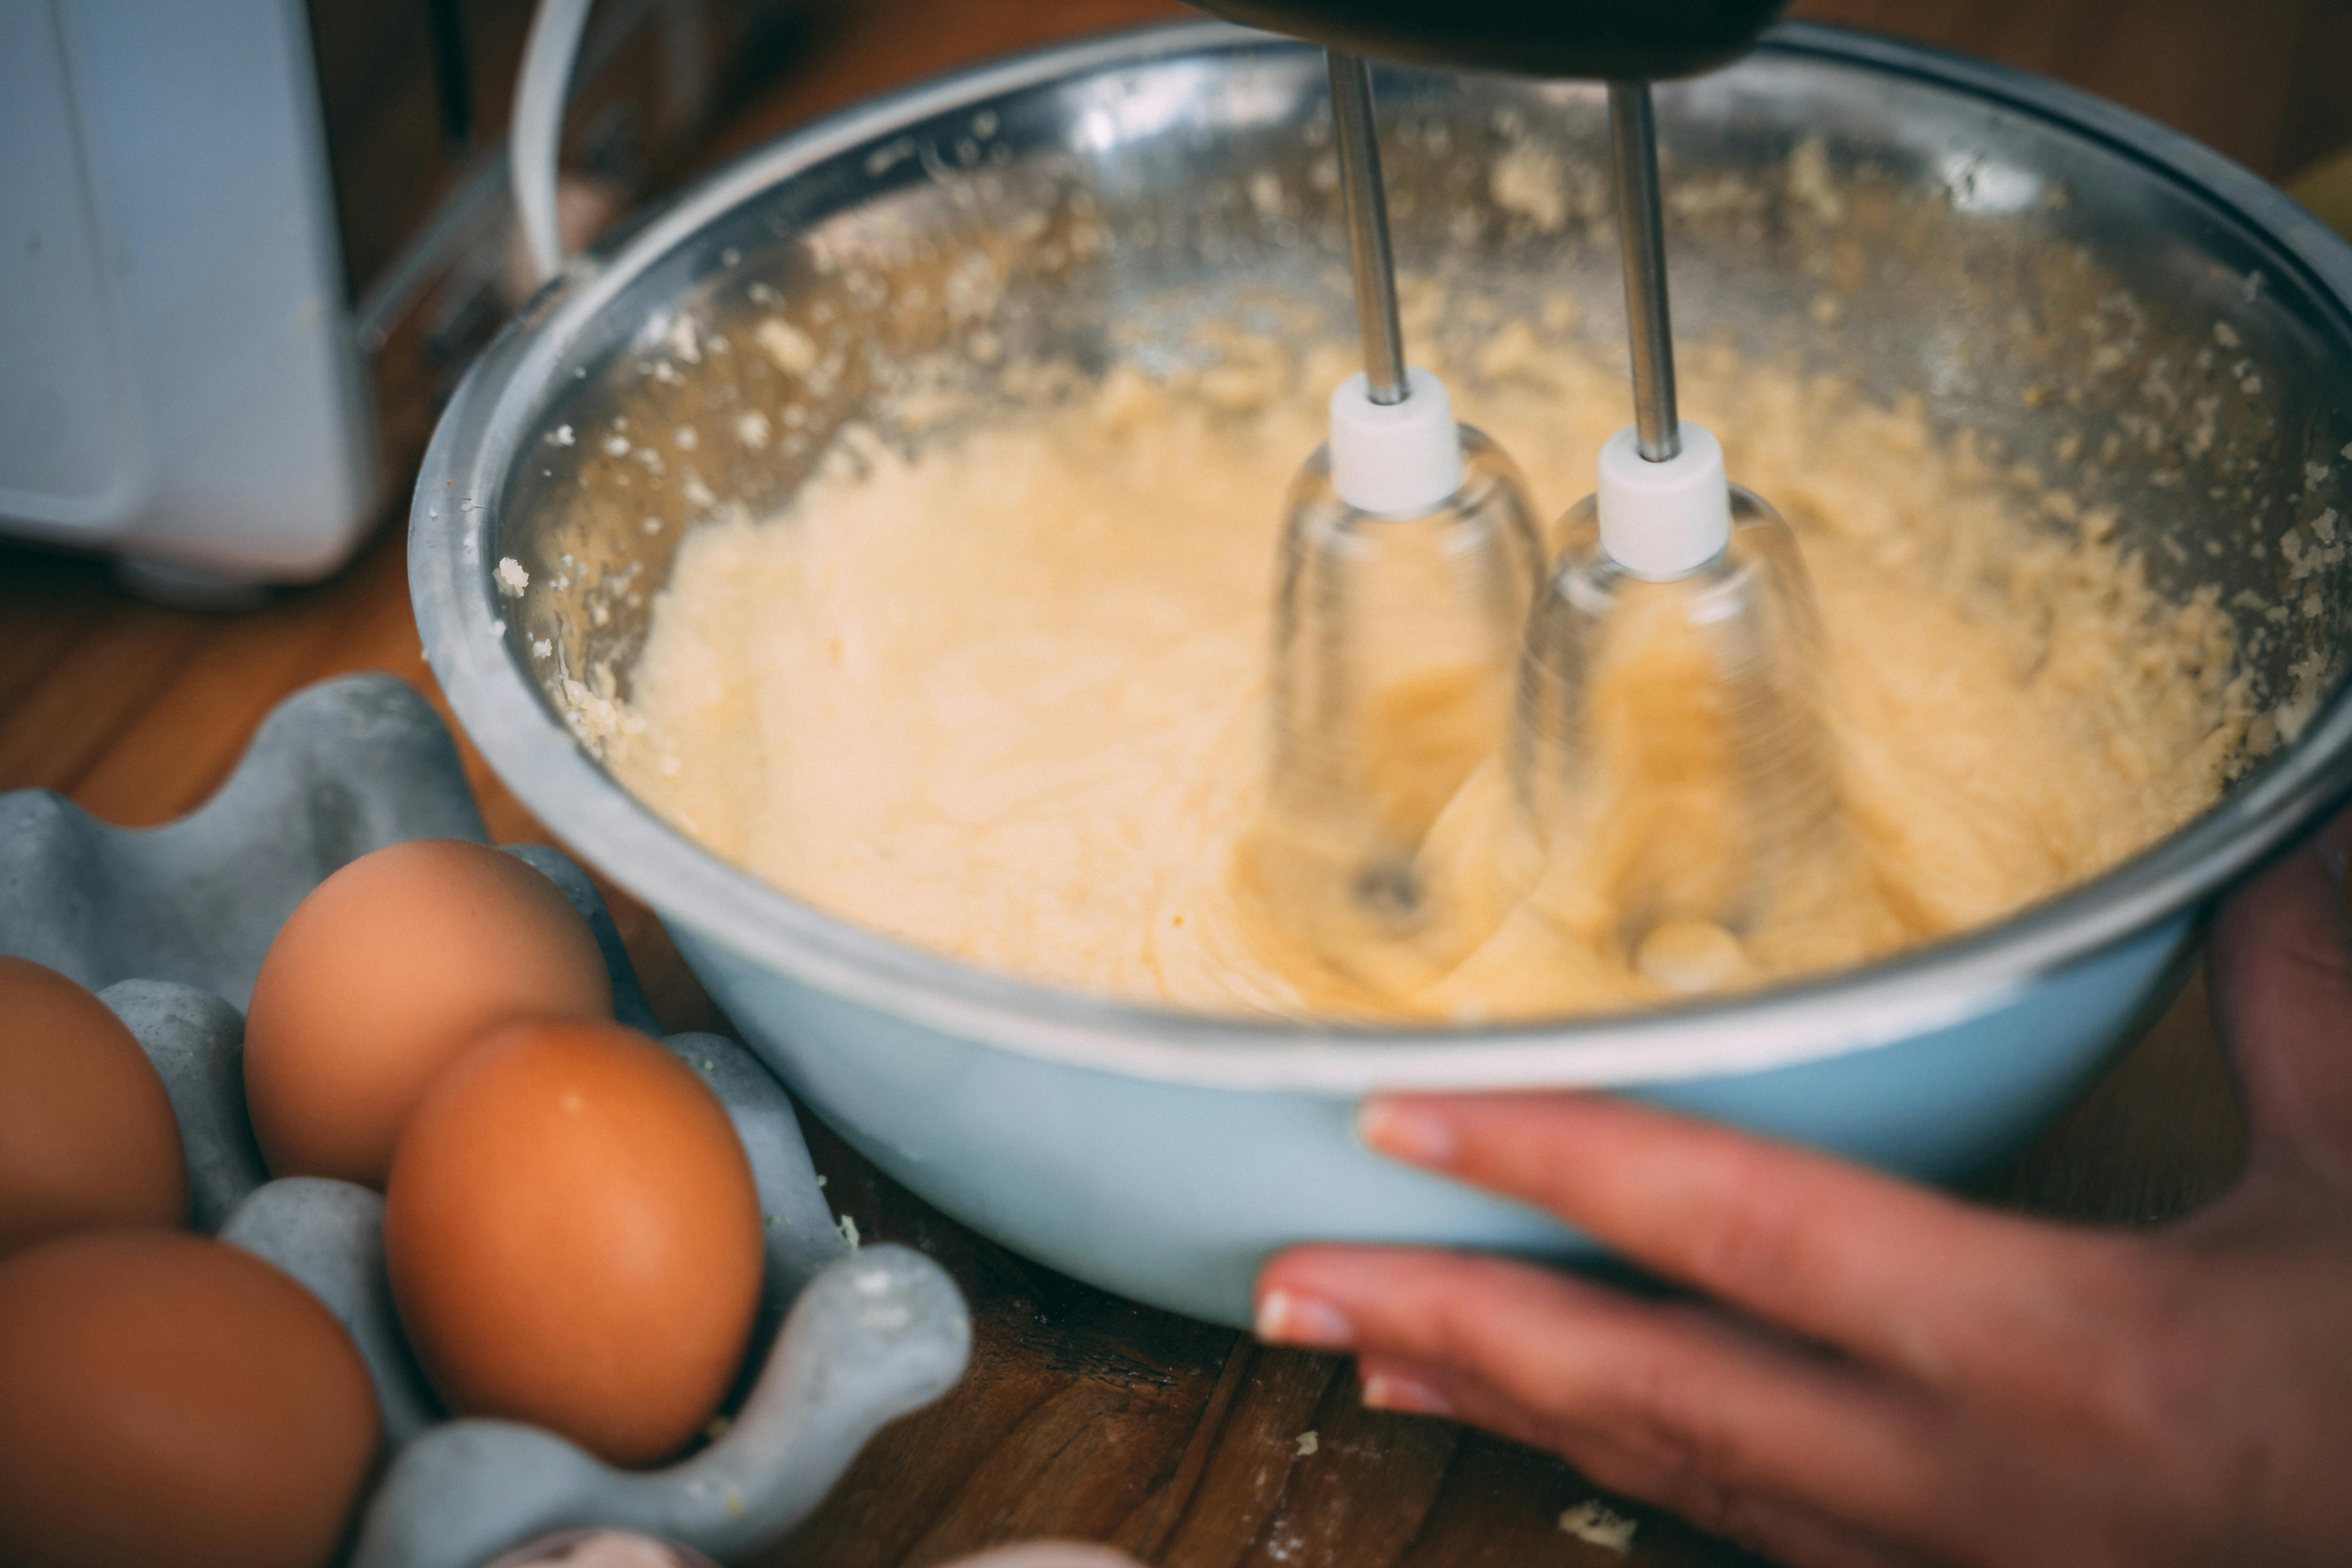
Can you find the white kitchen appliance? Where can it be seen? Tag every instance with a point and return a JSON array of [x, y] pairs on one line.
[[223, 224], [179, 379]]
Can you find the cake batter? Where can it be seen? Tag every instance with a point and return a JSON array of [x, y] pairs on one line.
[[1005, 702]]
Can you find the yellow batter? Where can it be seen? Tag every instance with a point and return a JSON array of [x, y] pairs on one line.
[[1007, 703]]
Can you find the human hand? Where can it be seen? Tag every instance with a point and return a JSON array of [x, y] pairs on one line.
[[1888, 1376]]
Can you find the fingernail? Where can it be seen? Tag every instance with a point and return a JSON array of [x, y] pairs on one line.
[[1416, 1137], [1284, 1319], [1387, 1391]]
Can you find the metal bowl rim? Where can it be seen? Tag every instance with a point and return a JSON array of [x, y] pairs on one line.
[[1946, 983]]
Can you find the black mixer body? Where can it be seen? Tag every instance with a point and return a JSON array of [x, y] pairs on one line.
[[1611, 41]]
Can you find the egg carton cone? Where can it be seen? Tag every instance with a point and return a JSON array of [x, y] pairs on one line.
[[169, 925]]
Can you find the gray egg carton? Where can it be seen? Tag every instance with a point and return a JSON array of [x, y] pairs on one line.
[[169, 925]]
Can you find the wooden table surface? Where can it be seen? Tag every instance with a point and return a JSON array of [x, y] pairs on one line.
[[1085, 1415]]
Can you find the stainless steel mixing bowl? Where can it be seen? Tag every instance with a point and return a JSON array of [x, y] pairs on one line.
[[2090, 292]]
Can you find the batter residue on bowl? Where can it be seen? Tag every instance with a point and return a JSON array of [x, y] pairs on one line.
[[1005, 702]]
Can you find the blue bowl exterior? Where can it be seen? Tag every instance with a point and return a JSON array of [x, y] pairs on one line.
[[1176, 1194]]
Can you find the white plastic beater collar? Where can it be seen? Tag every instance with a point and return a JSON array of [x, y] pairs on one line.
[[1662, 521], [1399, 458]]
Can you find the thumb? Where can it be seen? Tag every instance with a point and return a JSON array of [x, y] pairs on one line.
[[2282, 975]]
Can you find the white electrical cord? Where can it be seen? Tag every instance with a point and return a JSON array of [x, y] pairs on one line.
[[535, 132]]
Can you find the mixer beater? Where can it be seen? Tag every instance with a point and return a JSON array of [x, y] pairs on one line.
[[1669, 749], [1409, 559], [1667, 743]]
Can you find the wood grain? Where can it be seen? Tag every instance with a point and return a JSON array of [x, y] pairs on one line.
[[1085, 1415]]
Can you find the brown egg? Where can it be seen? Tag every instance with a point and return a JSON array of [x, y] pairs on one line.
[[87, 1134], [389, 968], [171, 1399], [575, 1239]]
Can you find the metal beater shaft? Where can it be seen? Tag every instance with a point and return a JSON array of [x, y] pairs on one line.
[[1642, 237], [1368, 227]]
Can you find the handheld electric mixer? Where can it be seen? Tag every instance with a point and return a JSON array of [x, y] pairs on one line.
[[1666, 745]]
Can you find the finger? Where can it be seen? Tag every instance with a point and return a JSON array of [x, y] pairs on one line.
[[1731, 1409], [1891, 1272], [1788, 1532], [2282, 972]]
